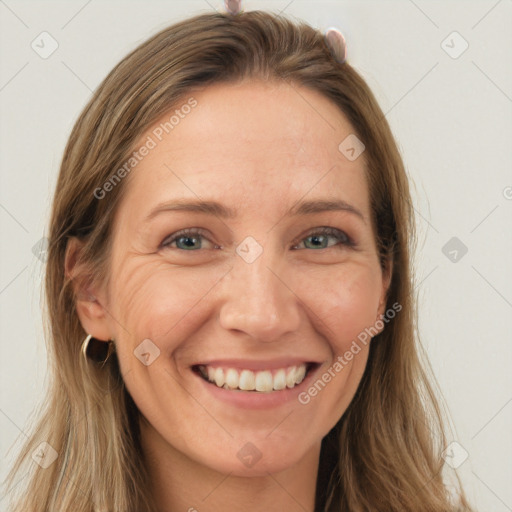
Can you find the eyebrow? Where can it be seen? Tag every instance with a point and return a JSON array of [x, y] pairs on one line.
[[224, 212]]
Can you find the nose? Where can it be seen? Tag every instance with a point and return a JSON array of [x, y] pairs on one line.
[[259, 301]]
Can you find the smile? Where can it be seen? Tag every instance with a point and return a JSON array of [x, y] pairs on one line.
[[263, 381]]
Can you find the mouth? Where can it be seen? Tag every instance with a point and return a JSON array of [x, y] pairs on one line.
[[269, 380]]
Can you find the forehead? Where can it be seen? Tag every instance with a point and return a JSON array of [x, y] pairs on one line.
[[248, 143]]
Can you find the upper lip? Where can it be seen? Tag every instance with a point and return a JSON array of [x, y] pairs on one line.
[[256, 365]]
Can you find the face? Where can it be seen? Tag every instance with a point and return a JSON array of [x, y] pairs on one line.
[[264, 288]]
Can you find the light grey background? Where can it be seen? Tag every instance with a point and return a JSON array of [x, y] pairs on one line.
[[451, 117]]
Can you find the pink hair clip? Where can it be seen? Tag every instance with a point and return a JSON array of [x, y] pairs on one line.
[[336, 43], [233, 6]]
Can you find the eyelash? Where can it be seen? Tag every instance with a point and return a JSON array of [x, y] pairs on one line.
[[343, 238]]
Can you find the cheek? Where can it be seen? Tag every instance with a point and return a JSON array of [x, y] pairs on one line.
[[155, 310], [156, 301], [345, 301]]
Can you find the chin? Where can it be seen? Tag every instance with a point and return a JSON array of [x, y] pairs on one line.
[[258, 458]]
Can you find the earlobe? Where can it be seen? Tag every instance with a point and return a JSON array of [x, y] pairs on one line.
[[88, 299]]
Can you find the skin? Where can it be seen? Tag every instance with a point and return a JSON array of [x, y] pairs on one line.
[[258, 148]]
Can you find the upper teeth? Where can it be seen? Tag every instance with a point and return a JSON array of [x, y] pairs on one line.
[[247, 380]]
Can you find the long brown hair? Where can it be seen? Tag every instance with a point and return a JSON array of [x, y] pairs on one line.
[[385, 452]]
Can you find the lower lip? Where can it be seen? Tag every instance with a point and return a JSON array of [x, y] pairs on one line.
[[257, 399]]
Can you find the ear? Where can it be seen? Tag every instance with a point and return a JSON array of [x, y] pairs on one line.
[[88, 296]]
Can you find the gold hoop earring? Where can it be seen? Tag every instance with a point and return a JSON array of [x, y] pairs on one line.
[[97, 351]]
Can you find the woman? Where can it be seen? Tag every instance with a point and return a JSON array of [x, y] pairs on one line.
[[229, 289]]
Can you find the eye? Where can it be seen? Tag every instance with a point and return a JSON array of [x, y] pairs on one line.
[[192, 239], [319, 239], [186, 239]]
